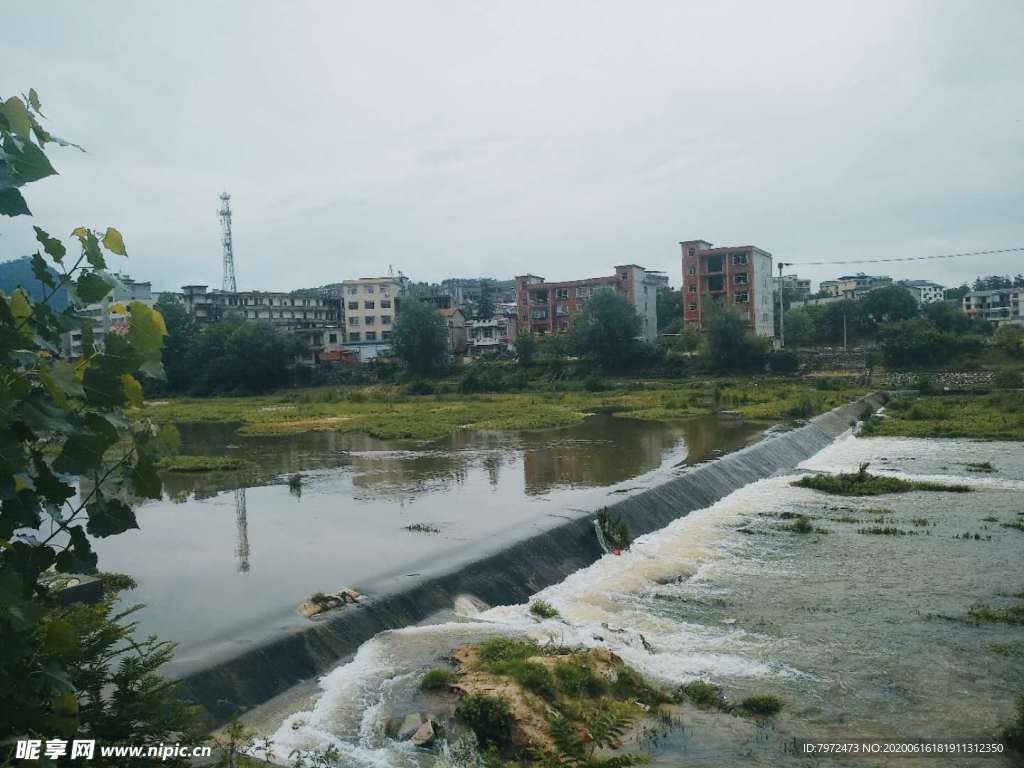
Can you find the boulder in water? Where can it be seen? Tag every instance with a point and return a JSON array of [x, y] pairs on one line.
[[424, 735], [410, 726]]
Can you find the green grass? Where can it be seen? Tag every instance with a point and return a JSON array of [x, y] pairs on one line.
[[187, 463], [703, 695], [543, 609], [987, 614], [864, 484], [387, 412], [994, 416], [499, 649], [763, 704], [437, 679], [577, 679]]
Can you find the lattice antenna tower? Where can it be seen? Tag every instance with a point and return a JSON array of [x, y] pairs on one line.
[[229, 257]]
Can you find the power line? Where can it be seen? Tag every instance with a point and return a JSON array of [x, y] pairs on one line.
[[902, 258]]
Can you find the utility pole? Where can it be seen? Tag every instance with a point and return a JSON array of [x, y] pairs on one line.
[[229, 257], [844, 331], [782, 309]]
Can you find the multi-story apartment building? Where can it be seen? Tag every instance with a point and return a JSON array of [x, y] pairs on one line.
[[1002, 306], [494, 335], [549, 308], [108, 314], [312, 315], [738, 278], [799, 289], [924, 291], [369, 305]]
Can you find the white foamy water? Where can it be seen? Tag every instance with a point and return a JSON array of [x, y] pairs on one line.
[[694, 601]]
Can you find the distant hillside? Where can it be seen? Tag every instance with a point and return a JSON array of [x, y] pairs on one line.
[[18, 273]]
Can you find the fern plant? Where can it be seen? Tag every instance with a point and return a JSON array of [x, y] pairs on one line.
[[577, 746]]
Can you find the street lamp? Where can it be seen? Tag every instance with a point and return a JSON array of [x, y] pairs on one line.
[[782, 310]]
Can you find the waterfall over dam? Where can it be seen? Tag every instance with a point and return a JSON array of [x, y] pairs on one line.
[[506, 569]]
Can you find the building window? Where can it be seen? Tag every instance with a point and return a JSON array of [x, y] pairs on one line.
[[561, 293], [353, 305], [385, 335], [740, 278], [691, 288], [624, 276], [353, 321], [385, 319], [371, 335], [693, 307], [353, 336], [562, 310], [742, 297], [368, 305], [385, 303], [539, 314], [739, 259], [371, 288], [369, 320], [564, 325], [352, 291], [692, 252], [333, 338]]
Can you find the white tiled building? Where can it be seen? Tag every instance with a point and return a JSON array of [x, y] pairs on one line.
[[369, 306]]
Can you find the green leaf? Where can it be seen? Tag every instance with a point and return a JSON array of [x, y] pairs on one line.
[[108, 517], [102, 384], [59, 639], [113, 242], [78, 557], [48, 484], [83, 450], [132, 390], [88, 338], [12, 203], [27, 160], [42, 271], [62, 376], [18, 117], [91, 247], [21, 307], [33, 100], [91, 287], [54, 248], [63, 717]]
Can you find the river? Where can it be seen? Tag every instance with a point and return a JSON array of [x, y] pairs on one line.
[[862, 636]]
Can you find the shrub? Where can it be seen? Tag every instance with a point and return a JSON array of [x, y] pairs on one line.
[[489, 717], [593, 384], [543, 609], [615, 530], [1008, 379], [419, 387], [763, 704], [783, 361], [704, 695], [630, 684], [436, 679], [801, 525], [1014, 735], [804, 407], [577, 679], [531, 676], [863, 484]]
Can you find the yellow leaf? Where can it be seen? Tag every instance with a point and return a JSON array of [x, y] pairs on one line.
[[113, 242], [80, 232], [132, 390], [118, 309], [21, 309]]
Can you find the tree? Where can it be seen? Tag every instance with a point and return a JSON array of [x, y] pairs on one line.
[[888, 305], [182, 334], [669, 307], [918, 342], [1010, 339], [58, 674], [956, 294], [730, 344], [485, 307], [238, 357], [947, 317], [526, 348], [605, 331], [799, 328], [420, 338]]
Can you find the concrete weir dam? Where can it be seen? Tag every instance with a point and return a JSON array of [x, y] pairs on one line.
[[506, 569]]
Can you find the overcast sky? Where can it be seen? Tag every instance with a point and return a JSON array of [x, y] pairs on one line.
[[497, 138]]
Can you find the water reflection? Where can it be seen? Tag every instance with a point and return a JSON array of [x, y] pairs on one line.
[[369, 512]]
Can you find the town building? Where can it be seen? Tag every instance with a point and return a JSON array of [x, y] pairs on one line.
[[737, 278], [109, 314], [854, 286], [458, 334], [924, 291], [1002, 306], [795, 287], [312, 315], [549, 308], [495, 335], [369, 306]]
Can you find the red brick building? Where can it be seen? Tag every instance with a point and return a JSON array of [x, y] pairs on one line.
[[549, 308], [738, 278]]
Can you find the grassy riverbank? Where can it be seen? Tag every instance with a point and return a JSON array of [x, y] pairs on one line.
[[995, 416], [389, 413]]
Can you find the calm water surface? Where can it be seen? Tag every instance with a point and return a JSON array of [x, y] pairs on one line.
[[228, 555]]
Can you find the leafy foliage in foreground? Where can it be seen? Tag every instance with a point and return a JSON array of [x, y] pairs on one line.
[[71, 671]]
